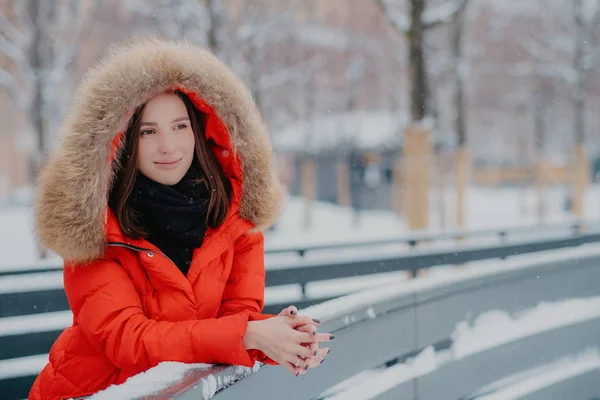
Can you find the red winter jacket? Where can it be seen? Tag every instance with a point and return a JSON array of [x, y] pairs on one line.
[[132, 307]]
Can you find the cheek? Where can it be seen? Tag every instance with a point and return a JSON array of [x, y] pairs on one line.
[[143, 153], [190, 142]]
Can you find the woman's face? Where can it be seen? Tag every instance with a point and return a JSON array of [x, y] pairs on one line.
[[166, 143]]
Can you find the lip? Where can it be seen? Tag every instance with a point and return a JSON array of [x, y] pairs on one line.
[[167, 164]]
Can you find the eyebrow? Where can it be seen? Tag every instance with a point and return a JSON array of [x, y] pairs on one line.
[[175, 120]]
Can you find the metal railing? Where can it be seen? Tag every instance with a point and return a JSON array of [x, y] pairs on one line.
[[392, 324], [40, 303]]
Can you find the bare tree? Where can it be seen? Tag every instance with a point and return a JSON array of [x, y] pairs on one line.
[[41, 39], [201, 21], [568, 49], [413, 28]]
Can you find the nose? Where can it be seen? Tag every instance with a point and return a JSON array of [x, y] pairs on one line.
[[166, 144]]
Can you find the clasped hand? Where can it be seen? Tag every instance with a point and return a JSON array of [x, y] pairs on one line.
[[290, 340]]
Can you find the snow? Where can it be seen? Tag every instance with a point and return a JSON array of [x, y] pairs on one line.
[[424, 363], [364, 129], [487, 208], [153, 380], [494, 328], [549, 374], [491, 329], [160, 377]]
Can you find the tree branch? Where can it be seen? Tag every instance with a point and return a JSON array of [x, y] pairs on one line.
[[399, 21], [11, 50], [10, 83], [545, 56], [283, 76], [443, 14]]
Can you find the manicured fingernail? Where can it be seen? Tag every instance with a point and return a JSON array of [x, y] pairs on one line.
[[331, 337], [293, 312], [328, 351], [314, 332], [315, 353], [321, 361], [317, 320], [305, 368], [297, 373]]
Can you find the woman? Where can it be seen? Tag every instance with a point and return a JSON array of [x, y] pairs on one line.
[[155, 197]]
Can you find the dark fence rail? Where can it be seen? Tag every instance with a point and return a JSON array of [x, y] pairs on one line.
[[45, 310]]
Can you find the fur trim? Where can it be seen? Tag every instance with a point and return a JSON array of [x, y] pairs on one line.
[[73, 185]]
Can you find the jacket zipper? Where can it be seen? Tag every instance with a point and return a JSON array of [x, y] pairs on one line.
[[136, 248]]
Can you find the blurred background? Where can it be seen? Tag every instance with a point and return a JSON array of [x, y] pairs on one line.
[[387, 116]]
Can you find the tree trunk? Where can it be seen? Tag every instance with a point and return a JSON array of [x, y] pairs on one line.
[[418, 73], [462, 158], [343, 182], [36, 111]]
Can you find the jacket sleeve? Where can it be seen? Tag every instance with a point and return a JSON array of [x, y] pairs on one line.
[[245, 289], [109, 312]]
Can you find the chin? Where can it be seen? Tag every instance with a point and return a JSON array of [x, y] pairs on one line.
[[171, 181], [168, 180]]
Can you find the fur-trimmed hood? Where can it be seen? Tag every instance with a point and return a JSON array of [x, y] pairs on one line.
[[72, 190]]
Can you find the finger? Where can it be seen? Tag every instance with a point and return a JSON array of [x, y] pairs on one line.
[[289, 367], [319, 357], [303, 352], [304, 366], [310, 328], [298, 365], [315, 362], [314, 348], [304, 337], [290, 311], [322, 353], [301, 320], [323, 337]]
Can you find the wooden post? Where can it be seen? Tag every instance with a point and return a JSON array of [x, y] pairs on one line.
[[416, 176], [308, 188], [462, 169], [343, 182], [580, 180], [441, 183]]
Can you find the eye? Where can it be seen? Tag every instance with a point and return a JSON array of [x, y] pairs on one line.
[[180, 126], [146, 132]]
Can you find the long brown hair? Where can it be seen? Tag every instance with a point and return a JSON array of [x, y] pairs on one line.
[[212, 174]]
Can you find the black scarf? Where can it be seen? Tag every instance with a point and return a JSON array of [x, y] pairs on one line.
[[174, 216]]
